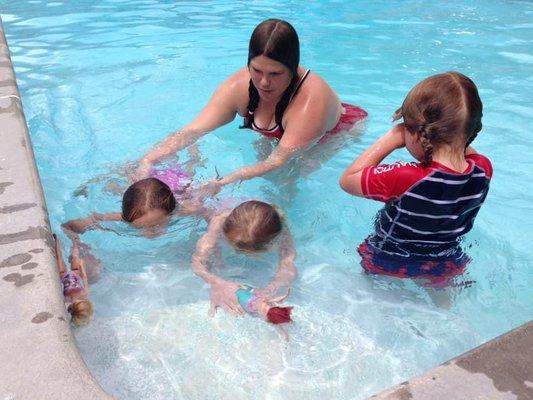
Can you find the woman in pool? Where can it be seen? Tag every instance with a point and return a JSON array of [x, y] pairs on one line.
[[277, 98]]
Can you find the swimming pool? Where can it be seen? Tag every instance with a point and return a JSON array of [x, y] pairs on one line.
[[103, 81]]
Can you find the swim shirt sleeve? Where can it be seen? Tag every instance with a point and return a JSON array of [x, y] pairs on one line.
[[482, 162], [389, 181]]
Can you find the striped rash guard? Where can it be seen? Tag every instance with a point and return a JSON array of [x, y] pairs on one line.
[[427, 210]]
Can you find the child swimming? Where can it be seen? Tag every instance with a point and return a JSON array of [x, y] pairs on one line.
[[250, 227], [432, 203], [147, 204], [75, 287]]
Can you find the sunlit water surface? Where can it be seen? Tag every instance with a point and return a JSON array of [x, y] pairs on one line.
[[101, 81]]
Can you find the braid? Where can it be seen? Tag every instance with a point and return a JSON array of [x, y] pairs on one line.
[[426, 135], [284, 101], [253, 102]]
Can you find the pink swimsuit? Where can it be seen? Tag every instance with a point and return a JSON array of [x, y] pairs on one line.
[[350, 116]]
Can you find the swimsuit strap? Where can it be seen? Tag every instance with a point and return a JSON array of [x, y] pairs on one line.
[[249, 119], [299, 84]]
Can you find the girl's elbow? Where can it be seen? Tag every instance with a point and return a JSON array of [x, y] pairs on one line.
[[344, 183], [351, 184]]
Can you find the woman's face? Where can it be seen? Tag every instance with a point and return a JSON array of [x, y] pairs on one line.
[[271, 78]]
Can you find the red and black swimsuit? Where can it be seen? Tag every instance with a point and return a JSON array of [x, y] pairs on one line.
[[350, 116]]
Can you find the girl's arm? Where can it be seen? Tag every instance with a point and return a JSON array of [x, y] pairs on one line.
[[350, 180], [75, 227], [222, 291], [286, 272], [220, 110]]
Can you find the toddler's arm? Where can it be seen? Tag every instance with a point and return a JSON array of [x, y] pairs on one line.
[[222, 291], [286, 272], [350, 180], [75, 227]]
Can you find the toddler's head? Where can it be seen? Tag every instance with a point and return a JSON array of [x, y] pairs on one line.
[[444, 109], [147, 202], [252, 225], [82, 311]]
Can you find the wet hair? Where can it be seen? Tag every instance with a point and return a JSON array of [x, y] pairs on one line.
[[252, 225], [442, 109], [82, 311], [279, 315], [144, 196], [277, 40]]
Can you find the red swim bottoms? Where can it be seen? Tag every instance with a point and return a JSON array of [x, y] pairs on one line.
[[349, 117], [438, 272]]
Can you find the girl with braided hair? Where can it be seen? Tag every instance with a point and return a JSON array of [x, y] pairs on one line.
[[429, 204], [276, 96]]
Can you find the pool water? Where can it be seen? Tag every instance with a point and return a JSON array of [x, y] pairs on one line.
[[102, 81]]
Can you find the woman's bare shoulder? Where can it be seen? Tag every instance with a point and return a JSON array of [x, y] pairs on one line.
[[237, 87]]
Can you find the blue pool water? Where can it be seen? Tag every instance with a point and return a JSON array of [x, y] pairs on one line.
[[101, 81]]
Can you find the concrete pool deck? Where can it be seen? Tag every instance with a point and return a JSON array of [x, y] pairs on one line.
[[38, 354], [39, 357]]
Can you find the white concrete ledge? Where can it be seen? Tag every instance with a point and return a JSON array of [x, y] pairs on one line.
[[501, 369], [38, 356]]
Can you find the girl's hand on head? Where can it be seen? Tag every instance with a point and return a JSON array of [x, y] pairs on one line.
[[223, 296], [396, 136]]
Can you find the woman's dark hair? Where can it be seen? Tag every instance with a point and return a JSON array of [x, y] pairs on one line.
[[277, 40], [146, 195], [252, 225], [441, 108]]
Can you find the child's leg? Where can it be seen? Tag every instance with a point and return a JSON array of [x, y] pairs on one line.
[[59, 256]]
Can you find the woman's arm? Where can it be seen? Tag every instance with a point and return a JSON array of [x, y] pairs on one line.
[[222, 291], [350, 180], [220, 110], [305, 124]]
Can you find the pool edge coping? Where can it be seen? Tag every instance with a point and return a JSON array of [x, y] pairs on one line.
[[497, 370], [44, 360]]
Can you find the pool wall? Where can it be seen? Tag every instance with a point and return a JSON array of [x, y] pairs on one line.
[[39, 358]]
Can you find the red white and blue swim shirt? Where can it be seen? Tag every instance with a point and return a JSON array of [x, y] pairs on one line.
[[427, 209]]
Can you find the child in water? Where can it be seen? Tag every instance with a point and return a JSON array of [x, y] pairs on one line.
[[250, 227], [147, 204], [431, 203], [75, 287]]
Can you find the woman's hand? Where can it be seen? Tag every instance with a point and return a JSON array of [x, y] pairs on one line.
[[223, 295], [142, 171], [208, 189]]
